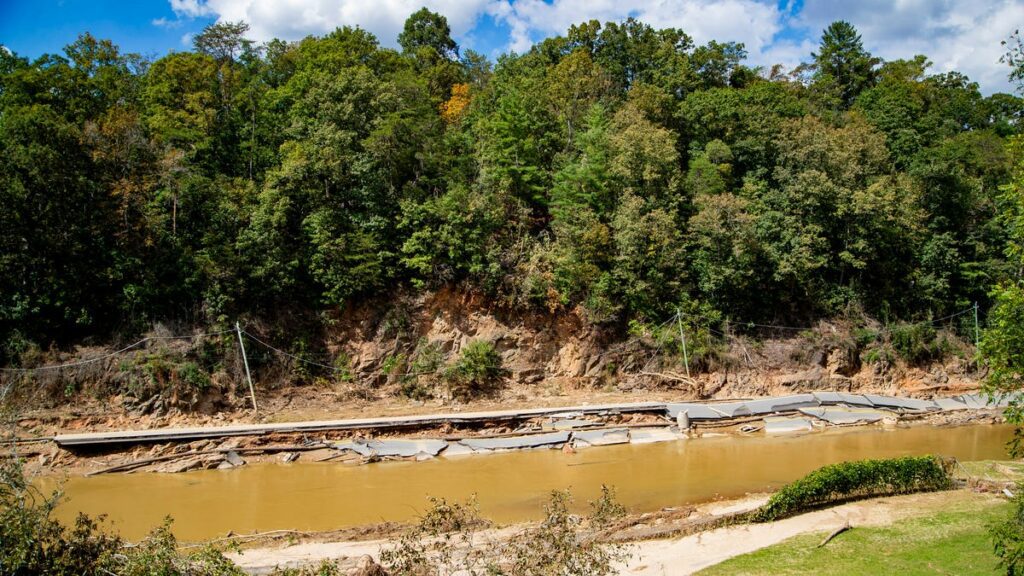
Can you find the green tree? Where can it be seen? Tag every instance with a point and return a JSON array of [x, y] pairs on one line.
[[426, 29], [842, 67], [1014, 58], [1003, 343]]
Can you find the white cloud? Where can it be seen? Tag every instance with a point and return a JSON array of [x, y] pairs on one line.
[[190, 8], [962, 36], [295, 19], [752, 22], [165, 23], [954, 35]]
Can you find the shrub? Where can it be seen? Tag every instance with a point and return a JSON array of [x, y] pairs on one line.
[[917, 343], [193, 376], [446, 542], [343, 367], [33, 542], [478, 370], [858, 479], [559, 545], [442, 543], [1008, 537], [150, 374]]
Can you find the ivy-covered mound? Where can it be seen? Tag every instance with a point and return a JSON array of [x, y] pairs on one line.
[[858, 479]]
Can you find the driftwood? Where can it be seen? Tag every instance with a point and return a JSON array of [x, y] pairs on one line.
[[835, 533], [237, 537], [166, 457], [670, 376]]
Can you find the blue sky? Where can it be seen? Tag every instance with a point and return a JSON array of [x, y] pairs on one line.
[[955, 35]]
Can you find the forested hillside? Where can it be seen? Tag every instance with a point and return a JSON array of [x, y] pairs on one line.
[[618, 172]]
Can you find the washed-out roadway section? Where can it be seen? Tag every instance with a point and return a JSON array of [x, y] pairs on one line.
[[827, 407]]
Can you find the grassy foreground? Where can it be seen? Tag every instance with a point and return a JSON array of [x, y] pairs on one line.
[[952, 541]]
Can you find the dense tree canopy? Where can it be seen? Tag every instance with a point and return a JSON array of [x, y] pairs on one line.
[[620, 171]]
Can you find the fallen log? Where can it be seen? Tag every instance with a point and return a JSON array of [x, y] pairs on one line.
[[835, 533], [670, 376]]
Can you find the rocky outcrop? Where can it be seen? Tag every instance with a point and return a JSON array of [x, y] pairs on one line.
[[537, 347]]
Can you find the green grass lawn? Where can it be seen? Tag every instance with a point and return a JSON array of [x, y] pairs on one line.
[[952, 541]]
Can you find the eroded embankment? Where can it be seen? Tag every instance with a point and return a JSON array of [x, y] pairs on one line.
[[393, 358]]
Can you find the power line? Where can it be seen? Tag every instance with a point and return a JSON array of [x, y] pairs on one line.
[[112, 354], [805, 328], [293, 356], [337, 369]]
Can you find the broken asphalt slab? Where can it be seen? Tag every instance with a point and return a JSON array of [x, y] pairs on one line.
[[516, 442], [396, 448]]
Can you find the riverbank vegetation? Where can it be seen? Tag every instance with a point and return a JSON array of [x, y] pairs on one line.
[[857, 479], [618, 172]]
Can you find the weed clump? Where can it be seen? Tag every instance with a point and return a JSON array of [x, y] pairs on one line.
[[478, 370]]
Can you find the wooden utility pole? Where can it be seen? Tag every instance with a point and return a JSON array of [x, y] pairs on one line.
[[682, 338], [977, 340], [248, 376]]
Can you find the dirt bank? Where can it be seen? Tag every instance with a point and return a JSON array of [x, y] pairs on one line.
[[389, 356]]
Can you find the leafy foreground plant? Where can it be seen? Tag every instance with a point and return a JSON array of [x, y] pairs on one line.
[[858, 479], [1008, 536], [448, 541], [32, 542]]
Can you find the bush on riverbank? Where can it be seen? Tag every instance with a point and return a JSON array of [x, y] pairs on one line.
[[858, 479], [448, 540], [33, 542]]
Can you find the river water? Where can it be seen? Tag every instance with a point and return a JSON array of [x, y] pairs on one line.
[[509, 486]]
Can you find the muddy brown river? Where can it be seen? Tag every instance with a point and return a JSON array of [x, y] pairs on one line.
[[509, 486]]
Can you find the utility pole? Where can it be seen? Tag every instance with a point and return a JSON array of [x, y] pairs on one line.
[[682, 338], [977, 340], [248, 376]]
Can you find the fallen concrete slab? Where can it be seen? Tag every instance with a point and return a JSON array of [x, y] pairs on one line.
[[731, 409], [569, 424], [694, 411], [975, 401], [781, 404], [652, 435], [840, 416], [583, 438], [905, 403], [842, 398], [516, 442], [950, 404], [787, 425], [397, 448], [456, 449]]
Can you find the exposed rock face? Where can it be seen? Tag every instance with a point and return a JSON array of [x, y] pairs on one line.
[[533, 347], [537, 347]]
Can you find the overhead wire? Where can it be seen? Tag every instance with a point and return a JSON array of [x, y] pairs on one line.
[[112, 354], [297, 358]]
